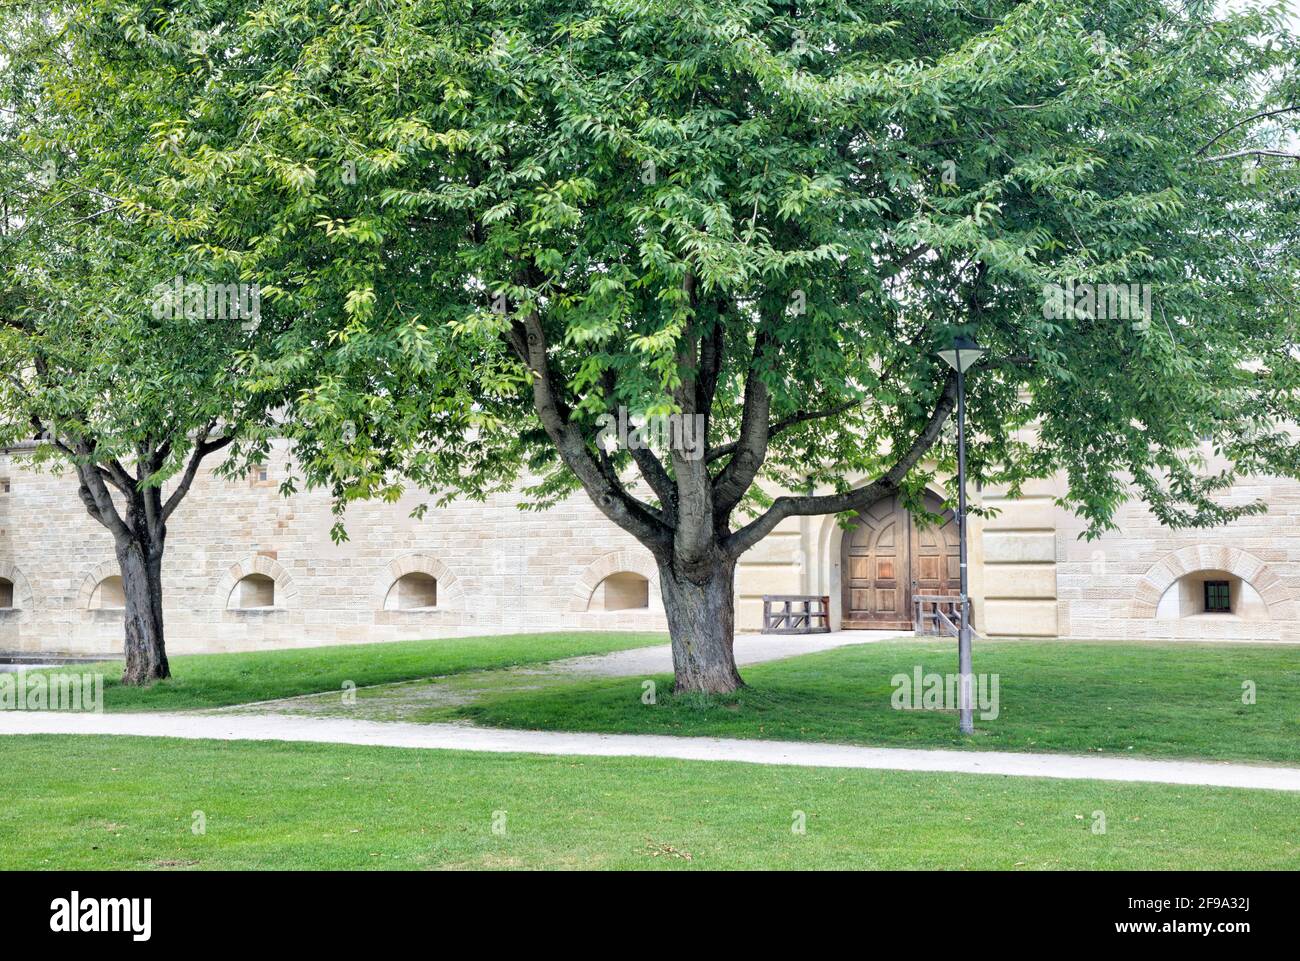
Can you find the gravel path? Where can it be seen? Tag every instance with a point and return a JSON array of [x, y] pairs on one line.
[[749, 649], [465, 738]]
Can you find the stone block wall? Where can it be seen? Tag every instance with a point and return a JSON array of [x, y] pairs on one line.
[[1014, 583], [499, 569], [1112, 587]]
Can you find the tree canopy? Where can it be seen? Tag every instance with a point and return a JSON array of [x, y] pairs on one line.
[[494, 223], [122, 346]]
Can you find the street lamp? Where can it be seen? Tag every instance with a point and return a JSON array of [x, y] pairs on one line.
[[961, 355]]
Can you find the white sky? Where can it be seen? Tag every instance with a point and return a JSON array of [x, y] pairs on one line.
[[1292, 5]]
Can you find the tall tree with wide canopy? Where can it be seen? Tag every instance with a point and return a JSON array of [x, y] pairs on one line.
[[496, 222], [118, 380]]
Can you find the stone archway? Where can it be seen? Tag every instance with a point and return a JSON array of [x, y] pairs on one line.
[[616, 562], [22, 590], [1204, 557], [451, 594], [286, 593], [94, 577]]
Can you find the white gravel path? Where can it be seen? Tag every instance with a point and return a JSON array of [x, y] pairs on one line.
[[748, 648], [464, 738]]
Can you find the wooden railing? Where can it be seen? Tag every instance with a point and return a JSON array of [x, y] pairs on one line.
[[938, 614], [795, 614]]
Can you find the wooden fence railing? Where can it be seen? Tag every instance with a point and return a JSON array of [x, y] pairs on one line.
[[938, 615], [796, 614]]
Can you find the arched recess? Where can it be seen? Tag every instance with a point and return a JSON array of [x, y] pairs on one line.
[[22, 590], [94, 577], [451, 594], [286, 592], [1205, 557], [615, 562]]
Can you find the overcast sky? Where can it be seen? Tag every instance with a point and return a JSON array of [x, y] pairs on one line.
[[1292, 5]]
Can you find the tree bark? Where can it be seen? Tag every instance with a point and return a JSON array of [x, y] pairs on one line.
[[146, 653], [701, 622]]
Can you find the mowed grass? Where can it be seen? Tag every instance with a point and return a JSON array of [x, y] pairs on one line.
[[215, 680], [1162, 700], [131, 803]]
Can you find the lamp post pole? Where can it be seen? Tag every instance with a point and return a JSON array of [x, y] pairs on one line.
[[965, 712], [961, 354]]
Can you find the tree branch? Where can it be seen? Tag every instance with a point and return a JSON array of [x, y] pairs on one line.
[[909, 258], [862, 498], [694, 537], [1286, 155], [657, 477], [202, 448], [751, 447], [652, 469], [1241, 123], [711, 354], [119, 476], [527, 339], [95, 495], [785, 424]]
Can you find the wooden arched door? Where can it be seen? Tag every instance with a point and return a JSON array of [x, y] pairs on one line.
[[886, 558]]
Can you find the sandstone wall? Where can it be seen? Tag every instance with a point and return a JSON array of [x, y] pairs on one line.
[[1112, 587], [499, 569]]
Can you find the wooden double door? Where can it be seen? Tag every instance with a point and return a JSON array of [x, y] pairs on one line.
[[888, 557]]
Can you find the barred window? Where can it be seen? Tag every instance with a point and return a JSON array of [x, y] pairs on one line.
[[1217, 597]]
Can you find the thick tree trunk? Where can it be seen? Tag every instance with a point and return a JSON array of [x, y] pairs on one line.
[[146, 652], [701, 621]]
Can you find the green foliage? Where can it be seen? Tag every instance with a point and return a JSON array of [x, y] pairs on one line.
[[104, 366], [828, 190]]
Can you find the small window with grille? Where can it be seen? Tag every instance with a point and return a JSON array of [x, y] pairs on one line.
[[1217, 597]]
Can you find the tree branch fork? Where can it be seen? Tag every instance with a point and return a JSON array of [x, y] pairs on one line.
[[691, 530]]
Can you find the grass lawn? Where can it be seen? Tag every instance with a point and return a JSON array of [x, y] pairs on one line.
[[130, 803], [214, 680], [1159, 699]]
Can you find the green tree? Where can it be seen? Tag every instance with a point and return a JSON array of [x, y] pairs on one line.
[[497, 223], [120, 346]]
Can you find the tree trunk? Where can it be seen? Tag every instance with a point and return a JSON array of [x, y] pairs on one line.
[[701, 621], [146, 653]]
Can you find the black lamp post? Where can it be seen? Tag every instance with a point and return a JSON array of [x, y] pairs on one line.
[[962, 354]]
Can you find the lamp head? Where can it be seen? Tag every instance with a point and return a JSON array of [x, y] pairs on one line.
[[962, 354]]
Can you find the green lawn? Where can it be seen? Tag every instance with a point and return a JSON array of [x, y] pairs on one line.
[[1159, 699], [214, 680], [130, 803]]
